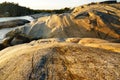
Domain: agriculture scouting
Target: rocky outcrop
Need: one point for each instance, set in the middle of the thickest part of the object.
(49, 59)
(96, 21)
(66, 55)
(102, 19)
(91, 21)
(13, 23)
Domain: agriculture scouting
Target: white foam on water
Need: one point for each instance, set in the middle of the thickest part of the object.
(29, 18)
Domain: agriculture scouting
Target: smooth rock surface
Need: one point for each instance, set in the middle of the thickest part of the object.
(102, 44)
(48, 60)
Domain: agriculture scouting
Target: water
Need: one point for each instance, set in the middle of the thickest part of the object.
(4, 31)
(14, 18)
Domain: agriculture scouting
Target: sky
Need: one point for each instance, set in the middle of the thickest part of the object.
(50, 4)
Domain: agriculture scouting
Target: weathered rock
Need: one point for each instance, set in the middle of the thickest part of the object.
(5, 43)
(73, 40)
(93, 21)
(63, 58)
(103, 19)
(13, 23)
(102, 44)
(59, 60)
(19, 39)
(36, 16)
(92, 40)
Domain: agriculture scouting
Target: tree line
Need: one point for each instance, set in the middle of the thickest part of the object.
(8, 9)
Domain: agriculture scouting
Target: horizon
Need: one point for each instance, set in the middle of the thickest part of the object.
(50, 5)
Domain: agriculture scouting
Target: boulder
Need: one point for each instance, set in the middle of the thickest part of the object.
(59, 60)
(93, 21)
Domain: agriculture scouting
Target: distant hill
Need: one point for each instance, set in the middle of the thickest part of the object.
(12, 9)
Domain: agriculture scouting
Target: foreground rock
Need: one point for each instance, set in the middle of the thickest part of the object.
(50, 59)
(13, 23)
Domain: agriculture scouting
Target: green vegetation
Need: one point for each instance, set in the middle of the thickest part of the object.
(12, 9)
